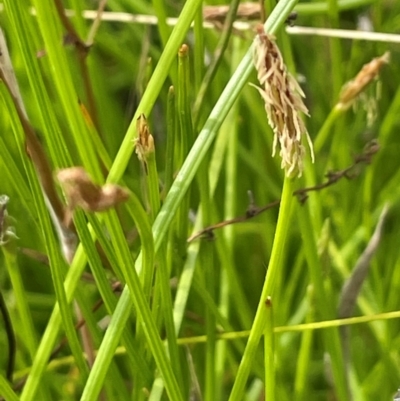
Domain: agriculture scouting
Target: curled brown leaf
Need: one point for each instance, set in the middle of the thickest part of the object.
(82, 192)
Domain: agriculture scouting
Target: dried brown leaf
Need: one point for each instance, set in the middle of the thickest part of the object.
(82, 192)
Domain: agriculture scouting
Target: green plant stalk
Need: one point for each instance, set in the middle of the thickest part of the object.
(152, 184)
(161, 14)
(185, 283)
(55, 140)
(15, 176)
(92, 388)
(163, 287)
(152, 190)
(186, 140)
(166, 311)
(51, 243)
(275, 263)
(79, 21)
(326, 310)
(324, 132)
(29, 334)
(6, 391)
(227, 262)
(136, 360)
(53, 326)
(198, 49)
(171, 139)
(9, 334)
(207, 265)
(304, 358)
(335, 49)
(51, 33)
(161, 310)
(385, 132)
(218, 57)
(57, 266)
(116, 383)
(269, 352)
(149, 328)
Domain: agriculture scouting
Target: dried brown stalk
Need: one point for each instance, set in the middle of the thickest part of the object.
(302, 194)
(246, 11)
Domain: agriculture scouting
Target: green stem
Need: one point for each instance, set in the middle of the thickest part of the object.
(171, 139)
(269, 353)
(274, 266)
(301, 384)
(326, 308)
(29, 334)
(6, 391)
(326, 129)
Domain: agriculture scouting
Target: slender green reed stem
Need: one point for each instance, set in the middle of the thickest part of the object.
(29, 333)
(327, 310)
(269, 352)
(326, 130)
(198, 49)
(185, 141)
(303, 360)
(218, 57)
(275, 264)
(6, 391)
(138, 363)
(161, 14)
(171, 140)
(11, 339)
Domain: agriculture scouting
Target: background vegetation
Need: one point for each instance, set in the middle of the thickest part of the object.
(181, 325)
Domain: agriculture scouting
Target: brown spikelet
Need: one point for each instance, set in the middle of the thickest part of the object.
(283, 103)
(367, 74)
(144, 141)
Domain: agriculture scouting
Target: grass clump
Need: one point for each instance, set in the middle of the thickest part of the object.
(149, 240)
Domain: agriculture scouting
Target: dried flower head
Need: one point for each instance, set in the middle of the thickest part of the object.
(82, 192)
(283, 102)
(368, 73)
(144, 141)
